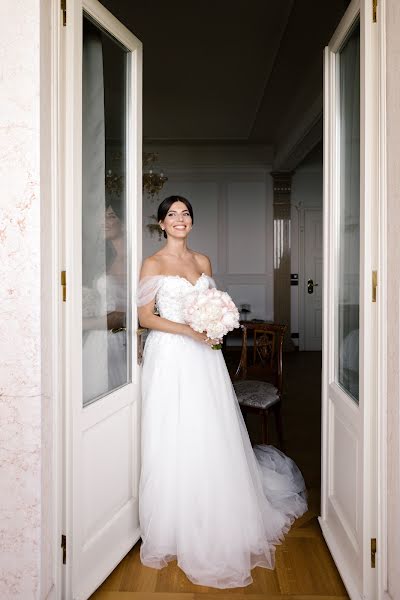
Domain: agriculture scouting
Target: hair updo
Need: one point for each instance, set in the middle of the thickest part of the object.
(166, 205)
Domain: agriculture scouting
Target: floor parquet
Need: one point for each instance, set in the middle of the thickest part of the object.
(304, 567)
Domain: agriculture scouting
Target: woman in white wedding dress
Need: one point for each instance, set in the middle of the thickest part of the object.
(206, 497)
(104, 311)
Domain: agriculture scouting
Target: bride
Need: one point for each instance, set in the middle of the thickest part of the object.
(206, 498)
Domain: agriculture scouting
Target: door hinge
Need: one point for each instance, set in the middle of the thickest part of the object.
(64, 285)
(374, 10)
(63, 6)
(64, 548)
(373, 552)
(374, 284)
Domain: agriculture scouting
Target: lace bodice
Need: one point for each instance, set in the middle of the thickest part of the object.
(172, 292)
(169, 292)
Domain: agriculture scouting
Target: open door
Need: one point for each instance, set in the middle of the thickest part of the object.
(348, 519)
(311, 281)
(101, 90)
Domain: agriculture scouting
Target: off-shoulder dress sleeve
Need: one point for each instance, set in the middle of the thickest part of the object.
(148, 288)
(211, 281)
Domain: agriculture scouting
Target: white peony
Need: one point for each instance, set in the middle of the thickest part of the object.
(212, 311)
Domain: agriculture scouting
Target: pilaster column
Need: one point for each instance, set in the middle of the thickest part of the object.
(282, 187)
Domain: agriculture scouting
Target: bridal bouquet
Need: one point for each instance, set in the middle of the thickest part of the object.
(211, 311)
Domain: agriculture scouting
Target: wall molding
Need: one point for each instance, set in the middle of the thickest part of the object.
(305, 136)
(206, 156)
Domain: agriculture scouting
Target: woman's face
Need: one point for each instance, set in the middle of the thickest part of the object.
(177, 222)
(113, 225)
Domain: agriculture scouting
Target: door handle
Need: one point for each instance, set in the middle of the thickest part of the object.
(310, 286)
(139, 344)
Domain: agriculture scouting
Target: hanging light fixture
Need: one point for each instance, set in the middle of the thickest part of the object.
(153, 181)
(114, 183)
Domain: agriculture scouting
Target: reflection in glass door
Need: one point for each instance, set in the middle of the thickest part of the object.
(348, 255)
(105, 240)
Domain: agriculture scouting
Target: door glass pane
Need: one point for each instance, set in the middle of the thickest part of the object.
(348, 273)
(105, 283)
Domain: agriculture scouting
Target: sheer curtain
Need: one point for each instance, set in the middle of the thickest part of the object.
(95, 368)
(349, 222)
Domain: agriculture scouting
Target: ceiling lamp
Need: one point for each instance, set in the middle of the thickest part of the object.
(153, 182)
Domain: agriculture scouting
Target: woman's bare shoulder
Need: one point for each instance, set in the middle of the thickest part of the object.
(204, 262)
(150, 266)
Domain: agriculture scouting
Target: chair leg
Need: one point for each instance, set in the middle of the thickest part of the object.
(278, 422)
(265, 427)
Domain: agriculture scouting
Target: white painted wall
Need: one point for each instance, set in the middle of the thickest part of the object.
(231, 193)
(306, 193)
(26, 402)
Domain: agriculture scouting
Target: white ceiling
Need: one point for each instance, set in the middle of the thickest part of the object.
(228, 70)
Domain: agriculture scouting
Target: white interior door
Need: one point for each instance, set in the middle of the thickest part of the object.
(348, 517)
(102, 135)
(312, 280)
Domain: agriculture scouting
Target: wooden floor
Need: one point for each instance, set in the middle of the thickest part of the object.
(304, 567)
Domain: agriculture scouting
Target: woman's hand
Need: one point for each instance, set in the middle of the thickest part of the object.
(116, 319)
(201, 337)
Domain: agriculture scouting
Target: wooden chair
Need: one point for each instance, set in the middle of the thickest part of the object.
(258, 378)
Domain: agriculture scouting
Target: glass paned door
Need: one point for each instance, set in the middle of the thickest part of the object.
(349, 373)
(101, 87)
(105, 264)
(348, 265)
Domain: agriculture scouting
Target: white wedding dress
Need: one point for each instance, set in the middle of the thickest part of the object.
(206, 498)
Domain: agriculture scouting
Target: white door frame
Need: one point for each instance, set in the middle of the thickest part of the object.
(57, 315)
(382, 445)
(55, 354)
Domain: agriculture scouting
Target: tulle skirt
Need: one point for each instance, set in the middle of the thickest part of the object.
(207, 499)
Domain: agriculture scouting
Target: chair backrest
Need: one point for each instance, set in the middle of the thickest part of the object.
(261, 355)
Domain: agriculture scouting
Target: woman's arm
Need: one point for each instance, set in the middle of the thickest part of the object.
(148, 319)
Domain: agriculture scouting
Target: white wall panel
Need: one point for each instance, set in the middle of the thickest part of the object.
(247, 235)
(253, 294)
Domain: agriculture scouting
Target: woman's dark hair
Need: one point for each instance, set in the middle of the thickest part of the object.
(119, 210)
(166, 205)
(118, 207)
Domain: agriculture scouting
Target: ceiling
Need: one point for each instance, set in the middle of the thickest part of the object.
(237, 71)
